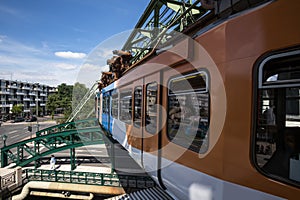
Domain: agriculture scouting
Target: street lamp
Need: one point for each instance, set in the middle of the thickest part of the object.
(4, 137)
(37, 107)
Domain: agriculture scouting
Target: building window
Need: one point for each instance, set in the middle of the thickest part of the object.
(277, 118)
(137, 106)
(188, 108)
(151, 108)
(126, 106)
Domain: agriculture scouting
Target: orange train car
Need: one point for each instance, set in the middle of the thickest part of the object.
(217, 113)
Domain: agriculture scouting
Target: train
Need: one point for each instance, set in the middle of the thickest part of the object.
(216, 114)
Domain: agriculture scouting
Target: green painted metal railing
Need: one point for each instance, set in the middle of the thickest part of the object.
(53, 139)
(93, 122)
(89, 178)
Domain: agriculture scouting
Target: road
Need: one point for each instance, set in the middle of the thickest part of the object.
(93, 156)
(17, 132)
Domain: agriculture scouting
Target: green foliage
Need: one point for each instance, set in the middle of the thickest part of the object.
(69, 97)
(17, 109)
(52, 103)
(79, 91)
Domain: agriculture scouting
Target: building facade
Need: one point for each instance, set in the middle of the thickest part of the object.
(32, 97)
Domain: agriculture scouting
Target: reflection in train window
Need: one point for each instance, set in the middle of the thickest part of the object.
(114, 105)
(277, 141)
(151, 108)
(126, 106)
(105, 106)
(188, 108)
(137, 118)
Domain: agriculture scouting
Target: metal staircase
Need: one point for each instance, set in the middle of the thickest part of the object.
(53, 139)
(84, 100)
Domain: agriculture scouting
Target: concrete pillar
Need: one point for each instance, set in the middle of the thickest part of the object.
(18, 172)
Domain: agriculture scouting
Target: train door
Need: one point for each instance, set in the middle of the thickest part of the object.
(99, 107)
(136, 134)
(151, 122)
(185, 134)
(106, 111)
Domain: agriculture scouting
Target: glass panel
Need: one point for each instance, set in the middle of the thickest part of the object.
(114, 106)
(192, 83)
(137, 106)
(126, 106)
(105, 104)
(277, 140)
(151, 108)
(188, 118)
(280, 71)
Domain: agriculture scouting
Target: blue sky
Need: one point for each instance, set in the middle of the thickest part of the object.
(49, 41)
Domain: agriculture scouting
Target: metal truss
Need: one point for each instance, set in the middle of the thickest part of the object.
(159, 23)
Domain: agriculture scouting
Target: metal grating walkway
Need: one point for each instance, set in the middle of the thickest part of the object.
(155, 193)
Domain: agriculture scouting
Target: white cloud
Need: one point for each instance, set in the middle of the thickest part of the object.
(65, 66)
(69, 54)
(28, 63)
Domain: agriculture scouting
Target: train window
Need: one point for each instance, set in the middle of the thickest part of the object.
(137, 106)
(188, 108)
(126, 106)
(277, 122)
(105, 106)
(151, 108)
(114, 105)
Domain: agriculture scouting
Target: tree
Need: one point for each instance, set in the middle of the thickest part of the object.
(52, 103)
(79, 91)
(65, 91)
(17, 109)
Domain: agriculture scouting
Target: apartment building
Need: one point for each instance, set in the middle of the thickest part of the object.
(33, 97)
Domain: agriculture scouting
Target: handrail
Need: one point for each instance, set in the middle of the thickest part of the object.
(89, 178)
(83, 101)
(83, 132)
(65, 126)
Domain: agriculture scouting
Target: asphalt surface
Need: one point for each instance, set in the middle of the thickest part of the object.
(17, 132)
(93, 156)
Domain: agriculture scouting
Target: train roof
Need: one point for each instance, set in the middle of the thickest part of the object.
(110, 87)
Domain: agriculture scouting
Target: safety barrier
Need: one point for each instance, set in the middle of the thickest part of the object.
(53, 139)
(89, 178)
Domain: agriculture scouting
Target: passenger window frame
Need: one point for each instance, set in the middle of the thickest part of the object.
(148, 118)
(121, 110)
(115, 94)
(136, 123)
(200, 93)
(264, 86)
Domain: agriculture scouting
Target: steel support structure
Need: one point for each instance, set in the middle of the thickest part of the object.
(53, 139)
(159, 22)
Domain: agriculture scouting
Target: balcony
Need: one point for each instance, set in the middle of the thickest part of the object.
(26, 88)
(20, 93)
(26, 99)
(43, 94)
(32, 104)
(37, 89)
(13, 86)
(26, 110)
(42, 104)
(32, 94)
(4, 92)
(13, 99)
(5, 105)
(53, 90)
